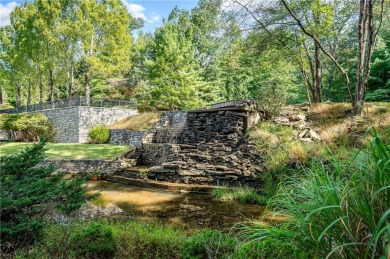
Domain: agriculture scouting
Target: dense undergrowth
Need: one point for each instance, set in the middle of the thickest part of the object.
(340, 208)
(126, 238)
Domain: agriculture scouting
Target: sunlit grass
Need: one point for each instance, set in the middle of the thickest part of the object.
(70, 150)
(242, 194)
(137, 122)
(336, 125)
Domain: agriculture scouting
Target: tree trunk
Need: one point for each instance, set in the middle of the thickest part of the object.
(40, 90)
(321, 47)
(317, 75)
(51, 86)
(306, 81)
(1, 94)
(87, 88)
(29, 95)
(70, 82)
(366, 38)
(19, 98)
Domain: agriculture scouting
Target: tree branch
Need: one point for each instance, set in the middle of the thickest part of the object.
(320, 45)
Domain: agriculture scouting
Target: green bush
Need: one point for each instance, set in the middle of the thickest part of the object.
(99, 134)
(28, 192)
(269, 248)
(94, 241)
(210, 244)
(337, 209)
(26, 127)
(131, 240)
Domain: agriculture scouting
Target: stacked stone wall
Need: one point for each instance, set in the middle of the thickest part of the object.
(72, 124)
(124, 137)
(84, 166)
(225, 127)
(172, 119)
(65, 123)
(210, 148)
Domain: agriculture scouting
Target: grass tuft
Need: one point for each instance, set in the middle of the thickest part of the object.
(242, 194)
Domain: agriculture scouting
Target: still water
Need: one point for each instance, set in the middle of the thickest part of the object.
(187, 210)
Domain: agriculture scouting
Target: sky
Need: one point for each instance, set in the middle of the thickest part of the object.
(151, 11)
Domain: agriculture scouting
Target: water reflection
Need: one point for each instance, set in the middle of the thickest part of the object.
(185, 210)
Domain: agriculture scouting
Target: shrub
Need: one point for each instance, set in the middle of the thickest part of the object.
(99, 134)
(270, 248)
(340, 209)
(210, 244)
(26, 127)
(97, 242)
(131, 240)
(28, 192)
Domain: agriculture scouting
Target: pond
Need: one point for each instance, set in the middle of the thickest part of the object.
(186, 210)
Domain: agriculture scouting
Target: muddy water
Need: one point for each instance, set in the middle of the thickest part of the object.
(185, 210)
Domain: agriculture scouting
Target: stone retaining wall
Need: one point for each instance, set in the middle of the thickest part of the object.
(172, 119)
(84, 166)
(65, 123)
(124, 137)
(72, 124)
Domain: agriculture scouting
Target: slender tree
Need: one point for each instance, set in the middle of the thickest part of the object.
(368, 29)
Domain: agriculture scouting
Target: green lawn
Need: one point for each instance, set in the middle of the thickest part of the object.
(70, 150)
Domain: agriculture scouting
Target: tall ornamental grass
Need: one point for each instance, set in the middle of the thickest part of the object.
(338, 209)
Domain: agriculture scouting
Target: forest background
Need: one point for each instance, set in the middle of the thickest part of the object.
(278, 52)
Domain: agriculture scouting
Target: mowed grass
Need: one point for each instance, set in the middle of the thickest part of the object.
(70, 150)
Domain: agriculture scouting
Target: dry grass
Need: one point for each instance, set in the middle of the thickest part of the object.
(138, 122)
(298, 153)
(336, 124)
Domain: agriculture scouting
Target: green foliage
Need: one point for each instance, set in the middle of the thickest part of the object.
(94, 241)
(379, 81)
(99, 134)
(282, 154)
(26, 127)
(209, 244)
(64, 43)
(29, 192)
(270, 248)
(100, 88)
(339, 209)
(242, 194)
(171, 70)
(131, 239)
(140, 240)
